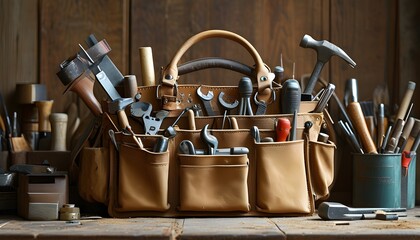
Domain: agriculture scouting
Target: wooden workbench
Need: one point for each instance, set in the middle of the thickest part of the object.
(213, 228)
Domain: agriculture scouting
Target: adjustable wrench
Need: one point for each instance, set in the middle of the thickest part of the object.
(206, 99)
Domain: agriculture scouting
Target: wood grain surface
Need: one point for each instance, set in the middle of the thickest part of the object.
(272, 27)
(66, 23)
(19, 47)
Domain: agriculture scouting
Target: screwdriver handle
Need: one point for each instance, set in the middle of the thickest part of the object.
(356, 115)
(282, 129)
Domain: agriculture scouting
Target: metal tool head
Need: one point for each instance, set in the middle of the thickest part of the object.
(119, 104)
(325, 49)
(209, 96)
(138, 109)
(210, 140)
(186, 147)
(170, 132)
(335, 211)
(255, 133)
(226, 105)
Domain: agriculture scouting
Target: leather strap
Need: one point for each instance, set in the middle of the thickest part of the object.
(71, 69)
(264, 77)
(215, 62)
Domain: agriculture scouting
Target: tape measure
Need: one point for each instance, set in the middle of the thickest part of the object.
(69, 212)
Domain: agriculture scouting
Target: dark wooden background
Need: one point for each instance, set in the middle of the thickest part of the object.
(381, 36)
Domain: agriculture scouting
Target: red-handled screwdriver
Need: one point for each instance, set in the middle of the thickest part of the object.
(282, 129)
(405, 161)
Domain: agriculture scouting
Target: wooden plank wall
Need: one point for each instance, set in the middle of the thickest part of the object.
(272, 27)
(380, 35)
(19, 46)
(66, 23)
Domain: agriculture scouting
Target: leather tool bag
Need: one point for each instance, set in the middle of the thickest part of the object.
(273, 179)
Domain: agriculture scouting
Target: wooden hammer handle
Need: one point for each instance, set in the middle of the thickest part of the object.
(356, 115)
(146, 66)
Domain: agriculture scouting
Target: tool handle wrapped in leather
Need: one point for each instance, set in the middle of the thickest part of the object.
(216, 62)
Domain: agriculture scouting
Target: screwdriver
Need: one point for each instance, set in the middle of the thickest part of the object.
(291, 95)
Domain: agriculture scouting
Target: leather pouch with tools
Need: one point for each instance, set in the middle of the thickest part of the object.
(215, 164)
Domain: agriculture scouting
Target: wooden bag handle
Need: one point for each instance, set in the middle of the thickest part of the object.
(263, 75)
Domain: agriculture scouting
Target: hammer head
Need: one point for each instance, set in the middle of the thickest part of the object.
(119, 104)
(334, 211)
(325, 50)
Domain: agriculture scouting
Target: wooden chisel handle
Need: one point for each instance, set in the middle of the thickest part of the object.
(146, 66)
(402, 109)
(356, 115)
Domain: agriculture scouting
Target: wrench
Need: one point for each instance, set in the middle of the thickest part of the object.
(227, 106)
(206, 99)
(143, 110)
(210, 140)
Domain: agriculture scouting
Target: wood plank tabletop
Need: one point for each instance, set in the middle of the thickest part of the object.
(311, 227)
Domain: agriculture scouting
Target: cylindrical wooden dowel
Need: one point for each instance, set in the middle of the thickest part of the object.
(130, 86)
(44, 111)
(58, 131)
(146, 66)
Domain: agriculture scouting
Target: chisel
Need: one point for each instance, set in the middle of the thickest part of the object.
(356, 115)
(414, 132)
(402, 110)
(405, 134)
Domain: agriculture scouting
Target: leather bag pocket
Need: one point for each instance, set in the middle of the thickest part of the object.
(281, 178)
(142, 179)
(321, 165)
(213, 183)
(94, 174)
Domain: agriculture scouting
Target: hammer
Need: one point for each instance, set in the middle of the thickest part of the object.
(338, 211)
(325, 50)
